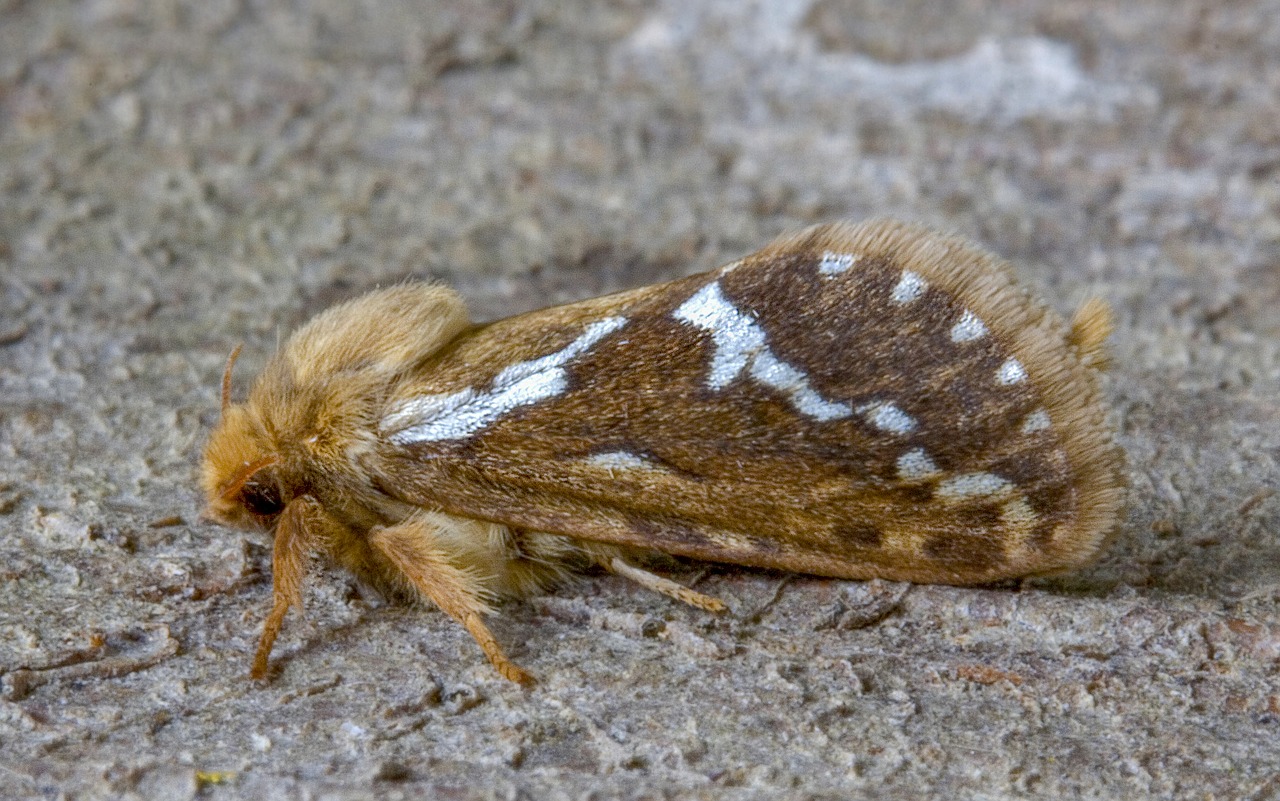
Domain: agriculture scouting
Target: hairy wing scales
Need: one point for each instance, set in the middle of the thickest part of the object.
(734, 467)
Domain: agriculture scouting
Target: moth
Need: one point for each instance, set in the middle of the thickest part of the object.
(852, 401)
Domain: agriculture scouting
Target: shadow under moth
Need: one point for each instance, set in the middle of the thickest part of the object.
(853, 401)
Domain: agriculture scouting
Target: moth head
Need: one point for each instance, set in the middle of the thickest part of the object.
(315, 403)
(241, 473)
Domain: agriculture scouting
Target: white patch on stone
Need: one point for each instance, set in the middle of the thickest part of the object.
(968, 329)
(973, 485)
(888, 417)
(741, 344)
(1036, 421)
(1011, 372)
(454, 415)
(909, 287)
(835, 263)
(915, 465)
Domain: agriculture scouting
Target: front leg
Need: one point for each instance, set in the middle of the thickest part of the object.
(417, 552)
(297, 533)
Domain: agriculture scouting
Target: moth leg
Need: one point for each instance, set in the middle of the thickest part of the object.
(665, 586)
(294, 540)
(416, 554)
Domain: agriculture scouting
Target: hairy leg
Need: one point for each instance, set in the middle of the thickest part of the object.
(665, 586)
(295, 538)
(415, 551)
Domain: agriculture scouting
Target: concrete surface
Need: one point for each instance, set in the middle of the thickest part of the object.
(177, 178)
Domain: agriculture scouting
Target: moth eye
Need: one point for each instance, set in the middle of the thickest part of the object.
(262, 500)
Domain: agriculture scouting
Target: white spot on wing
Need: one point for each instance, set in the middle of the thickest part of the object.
(836, 263)
(915, 464)
(909, 287)
(1011, 372)
(1036, 421)
(621, 460)
(1018, 514)
(454, 415)
(737, 337)
(769, 370)
(973, 485)
(740, 343)
(888, 417)
(968, 329)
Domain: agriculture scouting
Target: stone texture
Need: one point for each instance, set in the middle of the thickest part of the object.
(177, 178)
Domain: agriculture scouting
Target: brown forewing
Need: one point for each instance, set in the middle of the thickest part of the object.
(739, 473)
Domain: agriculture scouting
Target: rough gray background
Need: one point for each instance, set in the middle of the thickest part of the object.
(177, 178)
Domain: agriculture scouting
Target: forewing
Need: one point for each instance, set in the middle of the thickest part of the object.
(857, 402)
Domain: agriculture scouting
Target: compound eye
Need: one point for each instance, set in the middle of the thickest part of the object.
(261, 499)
